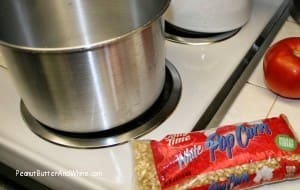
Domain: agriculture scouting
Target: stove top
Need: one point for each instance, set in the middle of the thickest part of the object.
(205, 71)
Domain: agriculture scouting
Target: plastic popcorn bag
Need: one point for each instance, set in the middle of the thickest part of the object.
(239, 156)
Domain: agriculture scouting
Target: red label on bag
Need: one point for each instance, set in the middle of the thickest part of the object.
(181, 157)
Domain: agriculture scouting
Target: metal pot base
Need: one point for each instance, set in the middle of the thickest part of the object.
(148, 121)
(183, 36)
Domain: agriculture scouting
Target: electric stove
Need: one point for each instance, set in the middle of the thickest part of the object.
(208, 73)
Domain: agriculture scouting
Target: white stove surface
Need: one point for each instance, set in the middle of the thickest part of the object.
(203, 70)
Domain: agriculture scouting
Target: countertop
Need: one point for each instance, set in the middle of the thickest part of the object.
(255, 101)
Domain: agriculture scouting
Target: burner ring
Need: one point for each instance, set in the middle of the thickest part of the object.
(180, 35)
(148, 121)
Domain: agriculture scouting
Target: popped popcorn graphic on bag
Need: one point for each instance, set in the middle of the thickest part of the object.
(290, 171)
(264, 174)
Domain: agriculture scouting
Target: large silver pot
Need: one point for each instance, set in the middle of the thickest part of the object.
(209, 16)
(85, 65)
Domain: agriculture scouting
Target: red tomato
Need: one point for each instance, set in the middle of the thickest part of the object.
(282, 67)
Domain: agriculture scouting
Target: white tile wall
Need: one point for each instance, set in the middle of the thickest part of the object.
(253, 103)
(2, 61)
(257, 77)
(255, 97)
(291, 108)
(256, 101)
(290, 19)
(289, 29)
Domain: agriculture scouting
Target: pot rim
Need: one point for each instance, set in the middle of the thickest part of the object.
(91, 46)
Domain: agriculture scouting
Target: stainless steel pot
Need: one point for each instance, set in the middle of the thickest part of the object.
(85, 65)
(209, 16)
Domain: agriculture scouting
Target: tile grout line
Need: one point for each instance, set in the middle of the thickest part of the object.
(257, 85)
(272, 106)
(3, 67)
(291, 20)
(273, 103)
